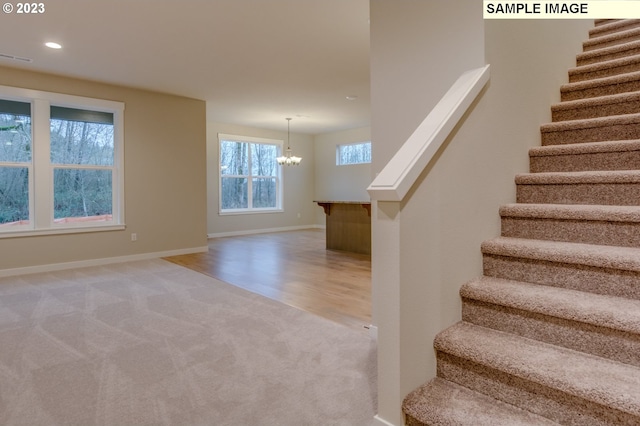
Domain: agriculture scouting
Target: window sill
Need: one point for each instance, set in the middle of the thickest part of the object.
(59, 231)
(243, 212)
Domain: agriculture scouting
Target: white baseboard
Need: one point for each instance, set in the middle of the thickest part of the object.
(378, 421)
(262, 231)
(373, 331)
(98, 262)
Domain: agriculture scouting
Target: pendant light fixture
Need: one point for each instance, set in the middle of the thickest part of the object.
(287, 159)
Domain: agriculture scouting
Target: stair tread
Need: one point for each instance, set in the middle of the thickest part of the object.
(596, 101)
(443, 402)
(607, 50)
(589, 377)
(572, 212)
(611, 37)
(615, 257)
(603, 65)
(584, 177)
(586, 148)
(611, 26)
(602, 81)
(613, 312)
(588, 123)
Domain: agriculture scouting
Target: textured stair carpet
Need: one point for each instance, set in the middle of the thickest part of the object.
(153, 343)
(550, 334)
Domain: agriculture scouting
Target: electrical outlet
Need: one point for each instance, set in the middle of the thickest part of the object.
(298, 215)
(134, 236)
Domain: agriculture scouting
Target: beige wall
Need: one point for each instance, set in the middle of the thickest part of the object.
(418, 49)
(298, 185)
(165, 177)
(340, 183)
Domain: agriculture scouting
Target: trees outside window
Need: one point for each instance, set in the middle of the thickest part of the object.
(250, 179)
(15, 162)
(355, 153)
(61, 163)
(82, 154)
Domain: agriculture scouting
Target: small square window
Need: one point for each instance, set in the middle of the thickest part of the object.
(354, 153)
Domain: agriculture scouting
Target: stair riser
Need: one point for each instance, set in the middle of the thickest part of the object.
(613, 282)
(410, 421)
(572, 94)
(599, 161)
(596, 194)
(600, 341)
(594, 45)
(594, 59)
(624, 234)
(542, 400)
(595, 111)
(575, 77)
(592, 134)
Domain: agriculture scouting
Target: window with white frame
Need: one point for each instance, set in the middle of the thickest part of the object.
(353, 153)
(61, 163)
(15, 163)
(250, 178)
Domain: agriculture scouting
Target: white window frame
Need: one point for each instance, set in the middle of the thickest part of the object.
(41, 211)
(339, 156)
(279, 179)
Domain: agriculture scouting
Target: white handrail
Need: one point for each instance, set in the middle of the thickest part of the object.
(404, 168)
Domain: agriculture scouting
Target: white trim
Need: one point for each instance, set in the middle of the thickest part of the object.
(235, 212)
(262, 231)
(79, 229)
(373, 331)
(378, 421)
(404, 168)
(97, 262)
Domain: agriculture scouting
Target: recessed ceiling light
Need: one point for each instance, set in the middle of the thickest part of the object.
(53, 45)
(352, 98)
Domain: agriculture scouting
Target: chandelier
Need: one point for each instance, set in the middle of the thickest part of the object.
(287, 159)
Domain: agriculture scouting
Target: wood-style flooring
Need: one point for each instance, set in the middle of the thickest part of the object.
(295, 268)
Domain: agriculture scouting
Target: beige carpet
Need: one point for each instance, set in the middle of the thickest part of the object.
(153, 343)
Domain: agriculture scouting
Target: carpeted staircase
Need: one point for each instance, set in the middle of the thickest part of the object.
(550, 334)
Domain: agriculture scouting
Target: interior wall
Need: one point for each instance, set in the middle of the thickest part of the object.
(299, 208)
(339, 183)
(417, 50)
(165, 177)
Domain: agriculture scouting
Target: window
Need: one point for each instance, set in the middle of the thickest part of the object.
(82, 154)
(354, 153)
(15, 162)
(250, 179)
(60, 163)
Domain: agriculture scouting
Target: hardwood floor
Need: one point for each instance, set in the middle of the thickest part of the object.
(294, 268)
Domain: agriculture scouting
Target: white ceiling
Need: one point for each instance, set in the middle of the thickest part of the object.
(255, 62)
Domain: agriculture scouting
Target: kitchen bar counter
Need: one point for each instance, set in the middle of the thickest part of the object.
(348, 225)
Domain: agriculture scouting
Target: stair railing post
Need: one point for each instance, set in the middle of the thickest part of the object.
(385, 263)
